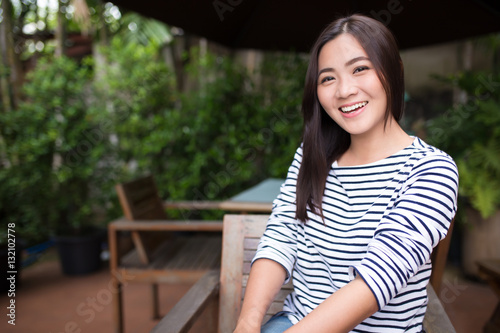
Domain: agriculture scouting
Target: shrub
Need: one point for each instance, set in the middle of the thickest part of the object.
(470, 133)
(54, 172)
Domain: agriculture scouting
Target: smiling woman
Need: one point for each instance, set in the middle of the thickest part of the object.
(363, 54)
(363, 205)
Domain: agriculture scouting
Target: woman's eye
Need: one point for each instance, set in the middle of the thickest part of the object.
(360, 69)
(326, 79)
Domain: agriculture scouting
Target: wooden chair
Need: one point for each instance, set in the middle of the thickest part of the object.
(159, 250)
(226, 287)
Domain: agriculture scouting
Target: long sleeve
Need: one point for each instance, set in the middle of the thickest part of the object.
(279, 242)
(406, 235)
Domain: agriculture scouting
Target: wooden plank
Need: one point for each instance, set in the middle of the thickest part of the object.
(123, 201)
(247, 207)
(438, 258)
(150, 209)
(141, 249)
(255, 225)
(231, 272)
(251, 243)
(117, 316)
(192, 205)
(157, 225)
(140, 200)
(166, 251)
(184, 253)
(237, 230)
(159, 276)
(182, 316)
(195, 253)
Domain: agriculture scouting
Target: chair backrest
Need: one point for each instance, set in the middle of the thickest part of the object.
(140, 200)
(240, 239)
(438, 258)
(241, 236)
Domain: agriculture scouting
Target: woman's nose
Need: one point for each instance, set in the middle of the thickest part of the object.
(345, 88)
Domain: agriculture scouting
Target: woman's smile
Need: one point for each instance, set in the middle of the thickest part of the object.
(348, 109)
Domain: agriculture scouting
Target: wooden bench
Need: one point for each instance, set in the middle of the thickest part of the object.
(225, 288)
(489, 270)
(162, 250)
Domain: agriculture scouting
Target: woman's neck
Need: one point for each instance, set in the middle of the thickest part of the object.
(369, 148)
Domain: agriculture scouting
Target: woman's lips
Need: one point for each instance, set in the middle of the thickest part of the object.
(350, 111)
(352, 107)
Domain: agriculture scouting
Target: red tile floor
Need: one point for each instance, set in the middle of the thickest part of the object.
(49, 302)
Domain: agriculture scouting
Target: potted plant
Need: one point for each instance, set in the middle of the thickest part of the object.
(470, 133)
(56, 160)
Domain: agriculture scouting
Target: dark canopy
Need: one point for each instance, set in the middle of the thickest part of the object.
(295, 24)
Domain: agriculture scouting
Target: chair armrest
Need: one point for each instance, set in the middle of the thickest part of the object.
(165, 225)
(436, 320)
(185, 312)
(247, 207)
(192, 205)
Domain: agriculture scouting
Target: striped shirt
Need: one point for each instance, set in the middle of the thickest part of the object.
(382, 221)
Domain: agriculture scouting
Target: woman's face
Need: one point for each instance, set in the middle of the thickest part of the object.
(348, 87)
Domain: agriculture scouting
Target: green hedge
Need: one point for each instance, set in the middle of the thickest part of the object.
(84, 127)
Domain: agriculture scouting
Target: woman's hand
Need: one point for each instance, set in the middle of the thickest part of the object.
(340, 312)
(265, 280)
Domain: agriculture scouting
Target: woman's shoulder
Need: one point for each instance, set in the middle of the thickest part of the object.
(430, 156)
(424, 150)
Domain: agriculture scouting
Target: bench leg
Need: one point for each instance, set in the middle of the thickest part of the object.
(118, 307)
(155, 300)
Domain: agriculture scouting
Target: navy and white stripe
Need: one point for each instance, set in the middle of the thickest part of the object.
(382, 221)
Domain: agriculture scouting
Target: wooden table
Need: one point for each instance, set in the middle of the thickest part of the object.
(257, 199)
(489, 270)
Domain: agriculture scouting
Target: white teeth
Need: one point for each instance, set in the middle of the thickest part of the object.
(353, 107)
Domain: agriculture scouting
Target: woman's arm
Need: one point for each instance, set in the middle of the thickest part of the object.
(340, 312)
(265, 280)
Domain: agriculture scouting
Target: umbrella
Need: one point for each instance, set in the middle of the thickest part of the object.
(294, 25)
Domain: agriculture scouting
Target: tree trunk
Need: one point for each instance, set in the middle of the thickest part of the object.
(11, 74)
(60, 31)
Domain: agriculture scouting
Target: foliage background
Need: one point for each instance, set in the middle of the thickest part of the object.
(470, 132)
(84, 126)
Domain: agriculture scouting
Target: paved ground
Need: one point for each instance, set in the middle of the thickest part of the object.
(49, 302)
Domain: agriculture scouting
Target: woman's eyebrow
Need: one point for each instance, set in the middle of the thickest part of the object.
(354, 60)
(328, 69)
(349, 63)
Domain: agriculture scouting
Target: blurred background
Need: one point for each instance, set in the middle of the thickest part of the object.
(94, 94)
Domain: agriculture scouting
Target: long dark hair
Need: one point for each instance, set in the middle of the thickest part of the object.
(323, 140)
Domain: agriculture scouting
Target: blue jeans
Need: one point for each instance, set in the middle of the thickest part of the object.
(277, 324)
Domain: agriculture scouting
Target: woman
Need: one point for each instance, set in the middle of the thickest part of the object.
(363, 204)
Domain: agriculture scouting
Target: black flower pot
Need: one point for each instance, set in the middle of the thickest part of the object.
(80, 254)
